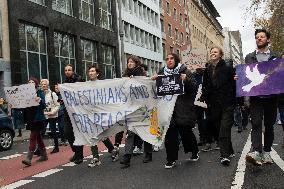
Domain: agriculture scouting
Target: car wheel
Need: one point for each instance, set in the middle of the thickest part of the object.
(6, 139)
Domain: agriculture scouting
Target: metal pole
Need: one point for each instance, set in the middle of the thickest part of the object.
(121, 36)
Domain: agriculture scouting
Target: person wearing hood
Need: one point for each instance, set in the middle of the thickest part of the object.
(34, 119)
(134, 69)
(72, 77)
(219, 92)
(184, 117)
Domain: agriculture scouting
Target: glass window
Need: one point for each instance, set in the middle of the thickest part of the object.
(170, 30)
(87, 11)
(162, 26)
(175, 14)
(168, 8)
(64, 53)
(64, 6)
(89, 55)
(105, 14)
(33, 52)
(108, 62)
(41, 2)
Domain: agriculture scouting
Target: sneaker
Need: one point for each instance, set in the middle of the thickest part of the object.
(232, 155)
(94, 162)
(266, 158)
(156, 149)
(115, 154)
(170, 165)
(207, 148)
(254, 158)
(194, 157)
(137, 151)
(225, 161)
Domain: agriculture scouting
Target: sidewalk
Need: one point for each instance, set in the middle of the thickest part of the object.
(25, 136)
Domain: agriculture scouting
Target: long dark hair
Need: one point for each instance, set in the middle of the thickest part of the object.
(176, 58)
(133, 71)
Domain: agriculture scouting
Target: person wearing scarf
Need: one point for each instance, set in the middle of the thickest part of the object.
(183, 118)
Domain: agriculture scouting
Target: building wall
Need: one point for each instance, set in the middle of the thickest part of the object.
(175, 29)
(206, 31)
(5, 70)
(142, 32)
(44, 16)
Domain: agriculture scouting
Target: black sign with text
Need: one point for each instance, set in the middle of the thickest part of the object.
(169, 85)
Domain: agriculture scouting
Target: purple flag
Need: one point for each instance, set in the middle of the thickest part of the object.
(262, 78)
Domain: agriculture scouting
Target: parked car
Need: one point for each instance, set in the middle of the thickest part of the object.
(7, 132)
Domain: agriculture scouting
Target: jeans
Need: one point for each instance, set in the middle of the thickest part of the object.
(238, 117)
(52, 126)
(60, 121)
(263, 109)
(36, 138)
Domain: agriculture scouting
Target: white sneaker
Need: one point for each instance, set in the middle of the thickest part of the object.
(94, 162)
(266, 158)
(156, 149)
(254, 158)
(137, 151)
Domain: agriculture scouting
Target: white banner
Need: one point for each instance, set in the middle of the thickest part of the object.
(99, 109)
(21, 96)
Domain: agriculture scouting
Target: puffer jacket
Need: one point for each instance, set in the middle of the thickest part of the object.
(184, 113)
(52, 105)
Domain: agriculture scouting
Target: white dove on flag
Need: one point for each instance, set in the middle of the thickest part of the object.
(254, 76)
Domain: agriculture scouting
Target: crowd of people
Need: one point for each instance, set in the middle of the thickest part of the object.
(214, 123)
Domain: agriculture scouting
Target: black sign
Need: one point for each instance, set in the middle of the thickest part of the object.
(169, 85)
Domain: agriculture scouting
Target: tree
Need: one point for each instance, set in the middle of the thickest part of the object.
(271, 19)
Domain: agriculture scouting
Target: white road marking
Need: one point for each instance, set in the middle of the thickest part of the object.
(277, 159)
(11, 156)
(104, 151)
(241, 168)
(121, 145)
(70, 164)
(47, 173)
(49, 147)
(17, 184)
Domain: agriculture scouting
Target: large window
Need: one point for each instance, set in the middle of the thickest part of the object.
(105, 14)
(64, 53)
(64, 6)
(33, 52)
(87, 11)
(108, 61)
(89, 55)
(41, 2)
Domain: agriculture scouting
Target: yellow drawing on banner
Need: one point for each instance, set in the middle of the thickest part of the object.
(154, 128)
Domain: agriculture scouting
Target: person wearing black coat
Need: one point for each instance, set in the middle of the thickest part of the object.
(219, 92)
(72, 77)
(184, 117)
(134, 69)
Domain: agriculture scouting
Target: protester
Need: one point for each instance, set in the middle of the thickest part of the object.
(134, 69)
(72, 77)
(18, 120)
(219, 93)
(60, 118)
(94, 75)
(183, 118)
(51, 111)
(261, 107)
(3, 105)
(281, 107)
(34, 118)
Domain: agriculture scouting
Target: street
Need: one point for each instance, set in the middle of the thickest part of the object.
(207, 173)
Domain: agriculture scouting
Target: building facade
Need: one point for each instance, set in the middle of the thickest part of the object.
(233, 47)
(5, 70)
(175, 26)
(46, 35)
(206, 31)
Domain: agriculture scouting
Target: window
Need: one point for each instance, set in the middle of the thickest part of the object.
(170, 30)
(126, 31)
(64, 53)
(168, 8)
(180, 18)
(108, 61)
(33, 52)
(64, 6)
(41, 2)
(171, 49)
(175, 14)
(89, 55)
(162, 25)
(176, 34)
(181, 37)
(105, 14)
(164, 51)
(87, 11)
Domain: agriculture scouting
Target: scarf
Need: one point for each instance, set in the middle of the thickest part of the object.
(168, 71)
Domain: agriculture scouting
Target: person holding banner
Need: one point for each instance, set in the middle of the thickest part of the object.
(51, 111)
(34, 118)
(72, 77)
(94, 74)
(261, 107)
(134, 69)
(184, 117)
(219, 93)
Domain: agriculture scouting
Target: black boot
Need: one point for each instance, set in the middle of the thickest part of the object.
(125, 161)
(28, 160)
(37, 152)
(147, 158)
